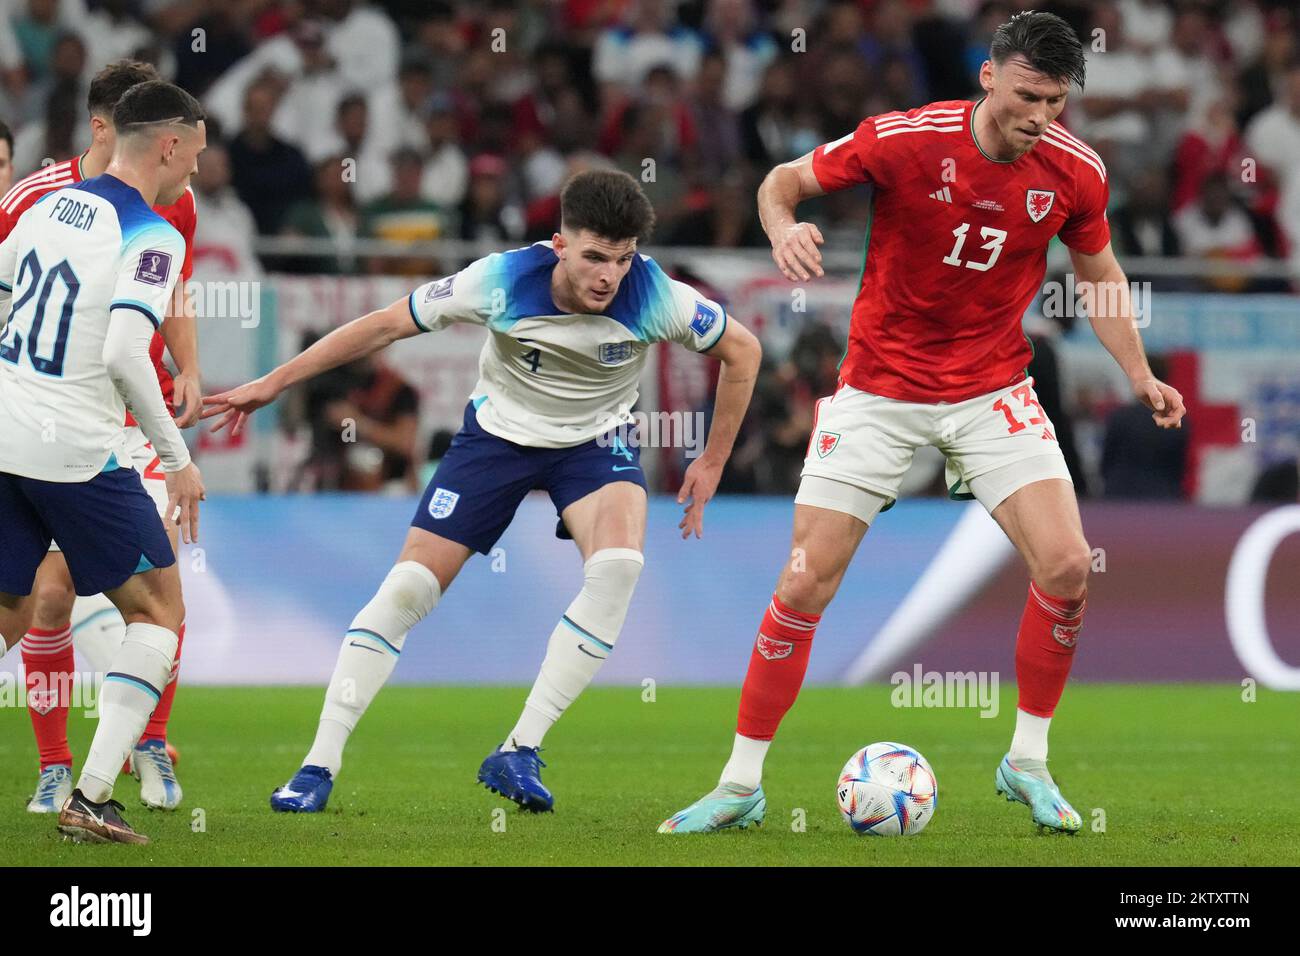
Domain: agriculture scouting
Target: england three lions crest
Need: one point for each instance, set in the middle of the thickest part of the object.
(442, 503)
(1038, 202)
(615, 353)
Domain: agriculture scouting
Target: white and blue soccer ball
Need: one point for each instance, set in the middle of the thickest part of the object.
(887, 789)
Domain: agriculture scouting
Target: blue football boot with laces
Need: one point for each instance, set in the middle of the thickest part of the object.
(1028, 782)
(307, 792)
(52, 789)
(516, 775)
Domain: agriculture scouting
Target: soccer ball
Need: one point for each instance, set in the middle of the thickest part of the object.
(887, 789)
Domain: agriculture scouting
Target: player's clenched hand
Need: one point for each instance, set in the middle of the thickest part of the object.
(184, 492)
(187, 398)
(1165, 402)
(794, 249)
(699, 485)
(237, 404)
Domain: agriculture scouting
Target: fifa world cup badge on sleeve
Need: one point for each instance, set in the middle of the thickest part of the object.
(440, 289)
(704, 319)
(443, 502)
(154, 267)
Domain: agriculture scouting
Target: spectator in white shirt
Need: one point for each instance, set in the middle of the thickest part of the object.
(1185, 77)
(1214, 225)
(446, 172)
(363, 41)
(624, 55)
(1273, 136)
(226, 233)
(1111, 112)
(1147, 23)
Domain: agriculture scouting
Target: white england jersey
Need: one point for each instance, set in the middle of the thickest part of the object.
(552, 379)
(76, 258)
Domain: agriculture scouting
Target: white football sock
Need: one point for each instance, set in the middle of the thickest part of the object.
(130, 693)
(368, 655)
(97, 631)
(580, 643)
(1030, 739)
(746, 764)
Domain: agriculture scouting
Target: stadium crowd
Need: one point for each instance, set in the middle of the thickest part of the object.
(413, 120)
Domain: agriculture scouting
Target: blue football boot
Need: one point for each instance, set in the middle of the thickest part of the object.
(52, 789)
(1028, 782)
(307, 792)
(516, 775)
(152, 766)
(729, 805)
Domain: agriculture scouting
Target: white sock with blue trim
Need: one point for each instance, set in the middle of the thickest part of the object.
(580, 643)
(368, 655)
(130, 692)
(97, 631)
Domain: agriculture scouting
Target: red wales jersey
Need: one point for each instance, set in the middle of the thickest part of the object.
(956, 247)
(183, 214)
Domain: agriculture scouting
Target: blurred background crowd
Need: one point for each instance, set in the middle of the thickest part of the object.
(419, 120)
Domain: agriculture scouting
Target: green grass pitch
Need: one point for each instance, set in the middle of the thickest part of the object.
(1163, 775)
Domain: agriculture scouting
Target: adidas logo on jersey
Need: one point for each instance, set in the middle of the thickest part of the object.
(943, 195)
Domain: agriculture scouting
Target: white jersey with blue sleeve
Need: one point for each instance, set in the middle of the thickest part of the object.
(81, 261)
(553, 379)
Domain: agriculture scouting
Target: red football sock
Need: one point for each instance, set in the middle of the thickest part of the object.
(776, 669)
(49, 662)
(157, 726)
(1049, 630)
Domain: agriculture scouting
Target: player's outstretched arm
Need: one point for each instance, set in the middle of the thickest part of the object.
(794, 243)
(740, 354)
(1107, 298)
(359, 338)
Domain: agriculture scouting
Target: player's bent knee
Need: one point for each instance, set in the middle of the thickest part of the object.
(806, 591)
(1066, 575)
(609, 579)
(52, 600)
(406, 596)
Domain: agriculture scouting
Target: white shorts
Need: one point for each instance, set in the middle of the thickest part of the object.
(149, 467)
(862, 445)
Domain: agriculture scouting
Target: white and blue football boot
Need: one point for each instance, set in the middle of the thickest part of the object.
(516, 775)
(52, 789)
(307, 792)
(151, 764)
(1028, 782)
(730, 805)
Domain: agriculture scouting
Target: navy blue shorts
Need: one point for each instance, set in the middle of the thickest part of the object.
(480, 482)
(108, 529)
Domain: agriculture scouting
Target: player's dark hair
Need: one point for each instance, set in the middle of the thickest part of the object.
(607, 202)
(1049, 44)
(112, 81)
(7, 135)
(156, 101)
